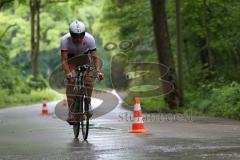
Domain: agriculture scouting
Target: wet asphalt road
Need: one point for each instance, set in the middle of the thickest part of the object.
(26, 134)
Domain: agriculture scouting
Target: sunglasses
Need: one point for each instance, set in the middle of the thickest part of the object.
(77, 35)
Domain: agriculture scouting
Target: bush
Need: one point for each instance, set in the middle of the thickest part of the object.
(39, 83)
(12, 80)
(221, 101)
(30, 98)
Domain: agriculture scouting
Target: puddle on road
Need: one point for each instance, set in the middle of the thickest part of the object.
(92, 126)
(180, 148)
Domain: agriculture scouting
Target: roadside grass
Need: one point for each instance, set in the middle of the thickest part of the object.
(149, 105)
(25, 99)
(157, 105)
(217, 101)
(154, 105)
(222, 101)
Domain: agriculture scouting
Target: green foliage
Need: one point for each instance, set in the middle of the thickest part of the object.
(15, 56)
(11, 81)
(151, 105)
(128, 20)
(29, 98)
(217, 21)
(37, 84)
(143, 88)
(155, 105)
(217, 99)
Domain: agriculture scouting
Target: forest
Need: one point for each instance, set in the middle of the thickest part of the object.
(193, 47)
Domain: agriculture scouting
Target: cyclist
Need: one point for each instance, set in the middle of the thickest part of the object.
(77, 48)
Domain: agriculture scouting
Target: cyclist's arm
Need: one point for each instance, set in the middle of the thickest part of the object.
(96, 60)
(94, 54)
(64, 58)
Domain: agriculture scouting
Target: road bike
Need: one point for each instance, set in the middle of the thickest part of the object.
(79, 109)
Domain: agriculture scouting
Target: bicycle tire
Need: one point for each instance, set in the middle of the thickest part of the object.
(76, 129)
(85, 127)
(85, 122)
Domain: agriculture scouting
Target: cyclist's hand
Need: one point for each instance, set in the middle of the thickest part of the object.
(71, 75)
(100, 75)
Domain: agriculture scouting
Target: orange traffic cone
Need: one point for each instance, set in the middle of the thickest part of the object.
(138, 124)
(44, 107)
(64, 103)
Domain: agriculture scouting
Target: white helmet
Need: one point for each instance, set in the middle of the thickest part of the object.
(77, 29)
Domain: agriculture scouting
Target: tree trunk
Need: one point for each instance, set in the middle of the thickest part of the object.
(179, 53)
(187, 58)
(164, 52)
(32, 12)
(35, 34)
(205, 53)
(235, 57)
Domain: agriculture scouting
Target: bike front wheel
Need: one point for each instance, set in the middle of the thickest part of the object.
(85, 127)
(76, 129)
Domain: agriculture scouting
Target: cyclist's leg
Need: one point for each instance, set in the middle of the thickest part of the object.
(70, 96)
(89, 88)
(70, 93)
